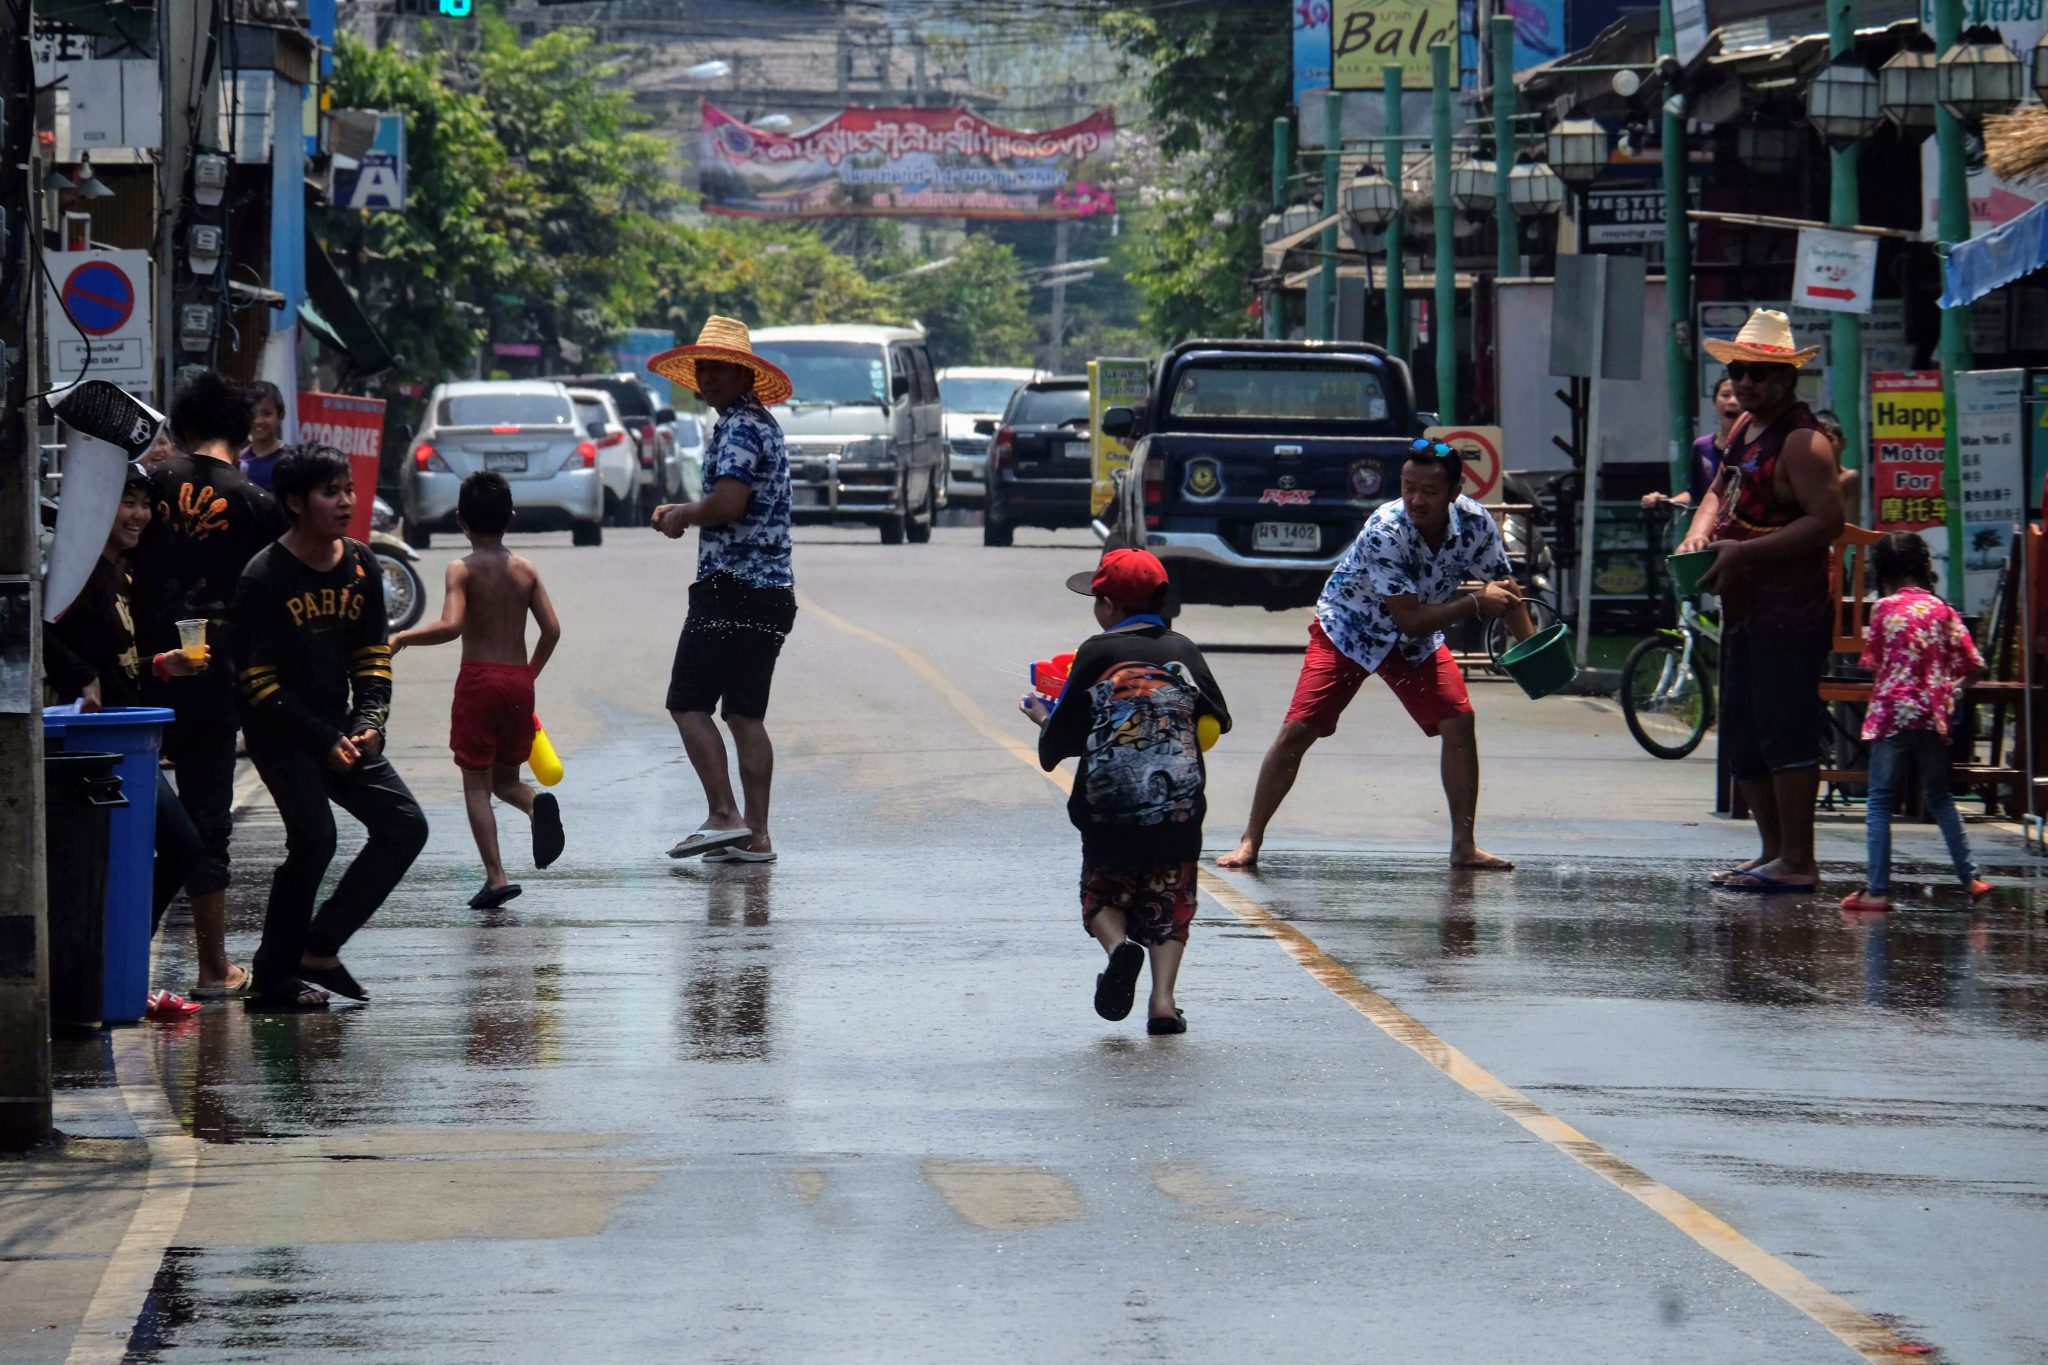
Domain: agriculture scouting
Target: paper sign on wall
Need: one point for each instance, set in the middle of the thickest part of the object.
(1836, 271)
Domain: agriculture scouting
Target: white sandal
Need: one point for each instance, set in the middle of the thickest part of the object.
(707, 839)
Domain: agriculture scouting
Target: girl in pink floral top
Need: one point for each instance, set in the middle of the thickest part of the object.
(1920, 656)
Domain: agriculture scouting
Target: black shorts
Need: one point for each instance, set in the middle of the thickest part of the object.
(728, 648)
(1770, 696)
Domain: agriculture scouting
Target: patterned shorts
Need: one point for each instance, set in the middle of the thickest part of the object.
(1158, 902)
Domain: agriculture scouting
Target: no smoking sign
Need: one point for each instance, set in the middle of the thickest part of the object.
(1480, 447)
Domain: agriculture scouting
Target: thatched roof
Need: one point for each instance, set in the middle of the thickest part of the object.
(2016, 144)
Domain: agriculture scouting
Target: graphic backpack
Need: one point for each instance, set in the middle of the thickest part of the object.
(1144, 765)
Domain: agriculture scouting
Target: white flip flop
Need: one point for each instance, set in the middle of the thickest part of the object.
(739, 855)
(707, 839)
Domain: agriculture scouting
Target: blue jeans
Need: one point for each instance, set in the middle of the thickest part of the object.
(1931, 751)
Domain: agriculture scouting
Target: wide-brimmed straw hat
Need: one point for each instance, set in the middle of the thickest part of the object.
(724, 339)
(1765, 339)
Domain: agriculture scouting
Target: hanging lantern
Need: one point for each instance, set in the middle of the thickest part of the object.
(1534, 189)
(1766, 149)
(1371, 199)
(1979, 77)
(1905, 91)
(1298, 218)
(1472, 186)
(1271, 229)
(1842, 102)
(2040, 69)
(1577, 150)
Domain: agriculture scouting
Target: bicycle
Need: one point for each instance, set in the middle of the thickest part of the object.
(1667, 696)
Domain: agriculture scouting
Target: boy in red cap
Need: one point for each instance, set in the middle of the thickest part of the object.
(1128, 713)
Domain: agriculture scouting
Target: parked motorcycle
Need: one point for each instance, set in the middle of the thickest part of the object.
(405, 592)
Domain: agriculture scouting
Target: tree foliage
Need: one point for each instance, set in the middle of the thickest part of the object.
(1214, 78)
(976, 308)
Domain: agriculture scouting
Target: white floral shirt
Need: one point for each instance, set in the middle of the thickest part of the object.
(1391, 559)
(747, 445)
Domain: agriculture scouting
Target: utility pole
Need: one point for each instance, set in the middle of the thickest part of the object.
(182, 62)
(1281, 147)
(1953, 225)
(1056, 353)
(24, 920)
(1678, 372)
(1507, 257)
(1845, 209)
(1333, 148)
(1397, 280)
(1445, 331)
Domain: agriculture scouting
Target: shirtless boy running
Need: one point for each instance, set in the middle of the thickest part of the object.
(489, 593)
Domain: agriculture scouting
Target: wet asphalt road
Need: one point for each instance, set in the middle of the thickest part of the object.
(856, 1106)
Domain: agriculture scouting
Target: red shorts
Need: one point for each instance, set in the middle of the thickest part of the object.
(491, 722)
(1433, 691)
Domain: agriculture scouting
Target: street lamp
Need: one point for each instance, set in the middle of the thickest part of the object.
(1534, 190)
(1371, 199)
(1766, 149)
(1842, 102)
(90, 186)
(1979, 77)
(1577, 150)
(1905, 91)
(1472, 186)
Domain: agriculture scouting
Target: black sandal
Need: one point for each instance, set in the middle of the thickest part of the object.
(305, 1000)
(548, 839)
(491, 897)
(1117, 987)
(1161, 1024)
(335, 979)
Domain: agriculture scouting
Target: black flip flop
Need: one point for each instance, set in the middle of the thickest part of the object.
(336, 980)
(1162, 1024)
(491, 897)
(1116, 987)
(548, 839)
(294, 1003)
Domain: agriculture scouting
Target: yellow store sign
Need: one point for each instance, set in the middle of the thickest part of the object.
(1367, 36)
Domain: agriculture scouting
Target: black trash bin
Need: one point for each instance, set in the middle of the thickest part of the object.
(79, 790)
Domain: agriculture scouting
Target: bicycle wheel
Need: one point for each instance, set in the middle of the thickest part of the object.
(1667, 702)
(1498, 640)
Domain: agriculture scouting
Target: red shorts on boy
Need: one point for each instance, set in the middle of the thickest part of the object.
(1158, 902)
(491, 722)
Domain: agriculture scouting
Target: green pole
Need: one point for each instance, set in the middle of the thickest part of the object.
(1445, 330)
(1678, 361)
(1333, 147)
(1397, 268)
(1507, 260)
(1953, 225)
(1845, 209)
(1282, 145)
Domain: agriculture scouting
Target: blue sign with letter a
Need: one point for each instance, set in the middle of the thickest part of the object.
(378, 182)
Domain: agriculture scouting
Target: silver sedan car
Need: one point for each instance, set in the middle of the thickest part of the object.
(525, 429)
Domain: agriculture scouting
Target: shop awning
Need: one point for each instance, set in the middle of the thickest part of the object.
(332, 314)
(2012, 249)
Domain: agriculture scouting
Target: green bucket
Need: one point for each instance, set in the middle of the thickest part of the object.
(1688, 569)
(1542, 664)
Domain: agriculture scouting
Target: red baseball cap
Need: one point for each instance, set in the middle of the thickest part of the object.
(1131, 579)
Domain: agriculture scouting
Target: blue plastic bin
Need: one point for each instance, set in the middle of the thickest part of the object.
(136, 734)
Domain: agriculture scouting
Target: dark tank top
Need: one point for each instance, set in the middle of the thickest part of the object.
(1780, 592)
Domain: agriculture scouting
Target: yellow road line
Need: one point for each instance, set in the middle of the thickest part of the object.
(1855, 1328)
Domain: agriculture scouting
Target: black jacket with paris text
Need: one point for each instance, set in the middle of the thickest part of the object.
(310, 655)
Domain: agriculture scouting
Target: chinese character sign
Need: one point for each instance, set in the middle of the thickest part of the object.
(907, 163)
(1906, 425)
(1994, 503)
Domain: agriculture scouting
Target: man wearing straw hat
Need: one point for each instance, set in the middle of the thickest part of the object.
(744, 600)
(1770, 517)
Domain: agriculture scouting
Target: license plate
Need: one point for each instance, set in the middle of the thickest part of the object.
(806, 497)
(1078, 449)
(1287, 537)
(504, 462)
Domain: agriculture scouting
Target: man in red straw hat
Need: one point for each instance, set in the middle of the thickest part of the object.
(744, 600)
(1770, 517)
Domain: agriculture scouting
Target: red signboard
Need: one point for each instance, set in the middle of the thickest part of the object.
(354, 426)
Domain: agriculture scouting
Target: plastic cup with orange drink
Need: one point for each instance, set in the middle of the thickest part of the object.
(192, 640)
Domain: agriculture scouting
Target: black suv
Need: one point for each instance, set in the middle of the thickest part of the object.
(1040, 470)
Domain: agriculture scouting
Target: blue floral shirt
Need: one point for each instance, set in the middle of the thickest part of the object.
(1391, 559)
(747, 445)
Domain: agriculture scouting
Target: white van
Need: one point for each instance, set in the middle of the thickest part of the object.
(862, 427)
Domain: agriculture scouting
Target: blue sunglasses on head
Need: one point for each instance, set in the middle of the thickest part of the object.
(1435, 449)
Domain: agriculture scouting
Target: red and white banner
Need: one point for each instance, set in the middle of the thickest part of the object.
(355, 426)
(907, 163)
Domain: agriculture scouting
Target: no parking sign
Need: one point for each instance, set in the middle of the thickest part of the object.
(99, 305)
(1481, 448)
